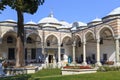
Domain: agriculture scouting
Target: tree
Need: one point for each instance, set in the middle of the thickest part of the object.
(21, 6)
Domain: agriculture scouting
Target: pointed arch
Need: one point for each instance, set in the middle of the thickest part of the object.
(51, 39)
(89, 34)
(104, 27)
(51, 35)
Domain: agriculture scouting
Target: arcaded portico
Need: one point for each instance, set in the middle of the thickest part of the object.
(58, 42)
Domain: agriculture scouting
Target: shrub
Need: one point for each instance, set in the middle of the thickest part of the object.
(108, 68)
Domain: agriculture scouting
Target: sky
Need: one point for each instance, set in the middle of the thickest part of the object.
(67, 10)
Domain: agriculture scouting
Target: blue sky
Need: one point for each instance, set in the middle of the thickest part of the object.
(68, 10)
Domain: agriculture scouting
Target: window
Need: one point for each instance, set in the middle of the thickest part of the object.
(79, 44)
(33, 53)
(104, 57)
(101, 40)
(9, 39)
(62, 56)
(93, 56)
(25, 53)
(11, 53)
(29, 40)
(48, 43)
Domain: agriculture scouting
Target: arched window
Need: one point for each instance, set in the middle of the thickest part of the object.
(29, 40)
(9, 39)
(11, 53)
(48, 43)
(79, 44)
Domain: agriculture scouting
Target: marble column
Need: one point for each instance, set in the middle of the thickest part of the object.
(117, 52)
(84, 54)
(98, 63)
(59, 55)
(74, 44)
(59, 52)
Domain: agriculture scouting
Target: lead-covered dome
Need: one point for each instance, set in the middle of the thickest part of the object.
(115, 11)
(65, 24)
(31, 22)
(78, 24)
(96, 19)
(49, 19)
(10, 20)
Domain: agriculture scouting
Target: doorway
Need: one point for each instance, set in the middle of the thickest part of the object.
(50, 58)
(11, 53)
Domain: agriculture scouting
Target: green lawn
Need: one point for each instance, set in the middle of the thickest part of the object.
(94, 76)
(55, 74)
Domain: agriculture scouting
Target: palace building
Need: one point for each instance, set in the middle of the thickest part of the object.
(54, 41)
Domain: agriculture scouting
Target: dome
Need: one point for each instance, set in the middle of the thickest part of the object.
(10, 20)
(74, 28)
(82, 24)
(31, 22)
(49, 19)
(96, 19)
(115, 11)
(78, 24)
(48, 25)
(64, 24)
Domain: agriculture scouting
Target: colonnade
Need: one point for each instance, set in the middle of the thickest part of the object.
(98, 63)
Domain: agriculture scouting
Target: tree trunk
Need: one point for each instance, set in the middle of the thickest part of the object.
(20, 61)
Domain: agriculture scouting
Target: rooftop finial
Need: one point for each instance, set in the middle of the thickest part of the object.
(51, 14)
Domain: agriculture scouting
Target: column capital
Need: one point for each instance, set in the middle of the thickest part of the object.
(59, 44)
(84, 42)
(98, 40)
(74, 43)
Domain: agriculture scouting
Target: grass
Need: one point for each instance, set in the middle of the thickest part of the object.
(55, 74)
(114, 75)
(47, 72)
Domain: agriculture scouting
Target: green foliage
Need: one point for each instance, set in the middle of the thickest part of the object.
(107, 68)
(28, 6)
(20, 77)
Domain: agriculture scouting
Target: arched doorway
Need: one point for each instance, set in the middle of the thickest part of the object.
(51, 49)
(107, 45)
(78, 50)
(67, 46)
(33, 50)
(8, 46)
(90, 48)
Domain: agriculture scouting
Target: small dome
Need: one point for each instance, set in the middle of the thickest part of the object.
(47, 25)
(74, 28)
(96, 19)
(78, 24)
(10, 20)
(82, 24)
(115, 11)
(65, 24)
(31, 22)
(49, 19)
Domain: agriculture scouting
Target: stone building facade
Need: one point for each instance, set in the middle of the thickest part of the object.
(54, 41)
